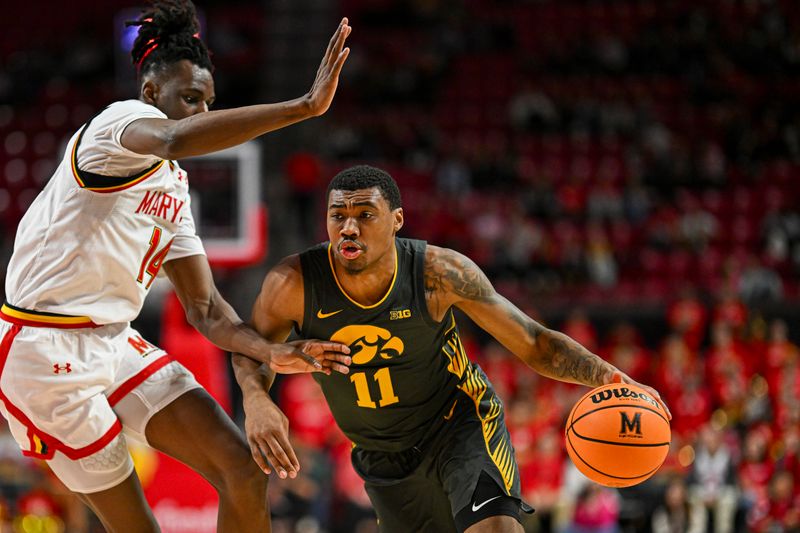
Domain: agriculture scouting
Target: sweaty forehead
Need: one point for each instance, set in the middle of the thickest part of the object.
(341, 198)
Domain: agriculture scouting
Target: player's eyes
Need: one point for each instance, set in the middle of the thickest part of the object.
(190, 99)
(366, 214)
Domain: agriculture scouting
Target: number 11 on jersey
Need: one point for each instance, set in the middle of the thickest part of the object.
(384, 380)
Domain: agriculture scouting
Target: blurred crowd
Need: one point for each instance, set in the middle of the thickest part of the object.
(590, 156)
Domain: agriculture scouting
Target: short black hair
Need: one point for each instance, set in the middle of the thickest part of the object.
(366, 177)
(168, 33)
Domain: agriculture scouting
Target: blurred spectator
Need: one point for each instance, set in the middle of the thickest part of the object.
(759, 284)
(712, 480)
(596, 511)
(688, 316)
(677, 514)
(781, 510)
(755, 471)
(581, 329)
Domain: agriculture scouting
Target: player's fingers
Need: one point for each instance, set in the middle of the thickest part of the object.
(281, 460)
(283, 442)
(333, 365)
(258, 457)
(337, 41)
(320, 347)
(658, 398)
(617, 378)
(274, 462)
(337, 67)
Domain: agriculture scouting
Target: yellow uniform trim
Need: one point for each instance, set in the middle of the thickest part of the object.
(475, 387)
(47, 318)
(336, 279)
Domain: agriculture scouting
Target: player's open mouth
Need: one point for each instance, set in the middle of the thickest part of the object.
(350, 250)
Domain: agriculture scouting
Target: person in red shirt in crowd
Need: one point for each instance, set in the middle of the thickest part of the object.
(676, 361)
(779, 351)
(688, 317)
(781, 512)
(787, 391)
(731, 310)
(756, 468)
(624, 349)
(541, 470)
(727, 369)
(692, 405)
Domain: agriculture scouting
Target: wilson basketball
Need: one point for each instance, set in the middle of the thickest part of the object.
(618, 435)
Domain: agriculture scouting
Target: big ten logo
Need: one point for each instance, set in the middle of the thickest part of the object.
(399, 314)
(366, 342)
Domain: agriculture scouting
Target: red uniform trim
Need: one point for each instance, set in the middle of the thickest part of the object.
(50, 444)
(137, 379)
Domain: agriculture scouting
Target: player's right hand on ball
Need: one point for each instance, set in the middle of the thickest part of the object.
(310, 356)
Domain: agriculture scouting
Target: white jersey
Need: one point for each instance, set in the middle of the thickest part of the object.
(93, 241)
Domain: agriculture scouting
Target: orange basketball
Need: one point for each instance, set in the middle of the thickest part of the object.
(618, 435)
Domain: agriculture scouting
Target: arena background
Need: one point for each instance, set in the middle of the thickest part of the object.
(624, 170)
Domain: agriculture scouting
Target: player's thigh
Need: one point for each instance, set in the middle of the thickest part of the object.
(416, 504)
(476, 464)
(195, 430)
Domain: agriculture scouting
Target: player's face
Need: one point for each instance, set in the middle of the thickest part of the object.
(361, 228)
(181, 90)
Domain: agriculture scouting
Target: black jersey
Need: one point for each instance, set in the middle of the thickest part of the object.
(406, 367)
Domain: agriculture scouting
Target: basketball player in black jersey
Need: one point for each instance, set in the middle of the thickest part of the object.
(429, 435)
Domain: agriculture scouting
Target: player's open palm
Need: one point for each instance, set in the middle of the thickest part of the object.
(267, 430)
(324, 87)
(310, 356)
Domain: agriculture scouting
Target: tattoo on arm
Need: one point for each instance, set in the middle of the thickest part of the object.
(457, 274)
(560, 357)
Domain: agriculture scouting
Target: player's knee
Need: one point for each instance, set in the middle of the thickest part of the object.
(240, 475)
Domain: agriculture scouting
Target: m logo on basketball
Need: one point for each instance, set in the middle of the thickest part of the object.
(634, 425)
(366, 342)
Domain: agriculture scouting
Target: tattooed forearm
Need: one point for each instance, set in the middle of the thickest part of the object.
(455, 273)
(562, 358)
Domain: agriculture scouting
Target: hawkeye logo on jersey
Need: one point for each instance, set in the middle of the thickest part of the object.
(399, 314)
(161, 205)
(366, 342)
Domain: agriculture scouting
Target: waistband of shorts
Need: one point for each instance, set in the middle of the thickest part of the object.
(40, 319)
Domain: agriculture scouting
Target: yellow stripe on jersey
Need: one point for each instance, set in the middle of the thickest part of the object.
(47, 318)
(453, 349)
(336, 279)
(500, 451)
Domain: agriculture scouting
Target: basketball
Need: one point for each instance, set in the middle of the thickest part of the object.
(617, 435)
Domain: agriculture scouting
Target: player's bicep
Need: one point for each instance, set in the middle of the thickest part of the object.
(279, 306)
(148, 136)
(468, 288)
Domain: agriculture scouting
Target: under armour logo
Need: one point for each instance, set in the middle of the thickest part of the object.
(57, 369)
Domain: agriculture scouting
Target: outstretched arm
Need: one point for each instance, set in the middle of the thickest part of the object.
(216, 130)
(212, 316)
(451, 279)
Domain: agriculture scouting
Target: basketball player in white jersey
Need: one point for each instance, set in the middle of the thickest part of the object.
(74, 376)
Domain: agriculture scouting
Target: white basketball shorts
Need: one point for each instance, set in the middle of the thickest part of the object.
(68, 392)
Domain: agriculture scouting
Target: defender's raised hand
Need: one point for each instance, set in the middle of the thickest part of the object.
(310, 356)
(324, 87)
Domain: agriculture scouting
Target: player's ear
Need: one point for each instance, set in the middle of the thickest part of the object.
(149, 92)
(398, 219)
